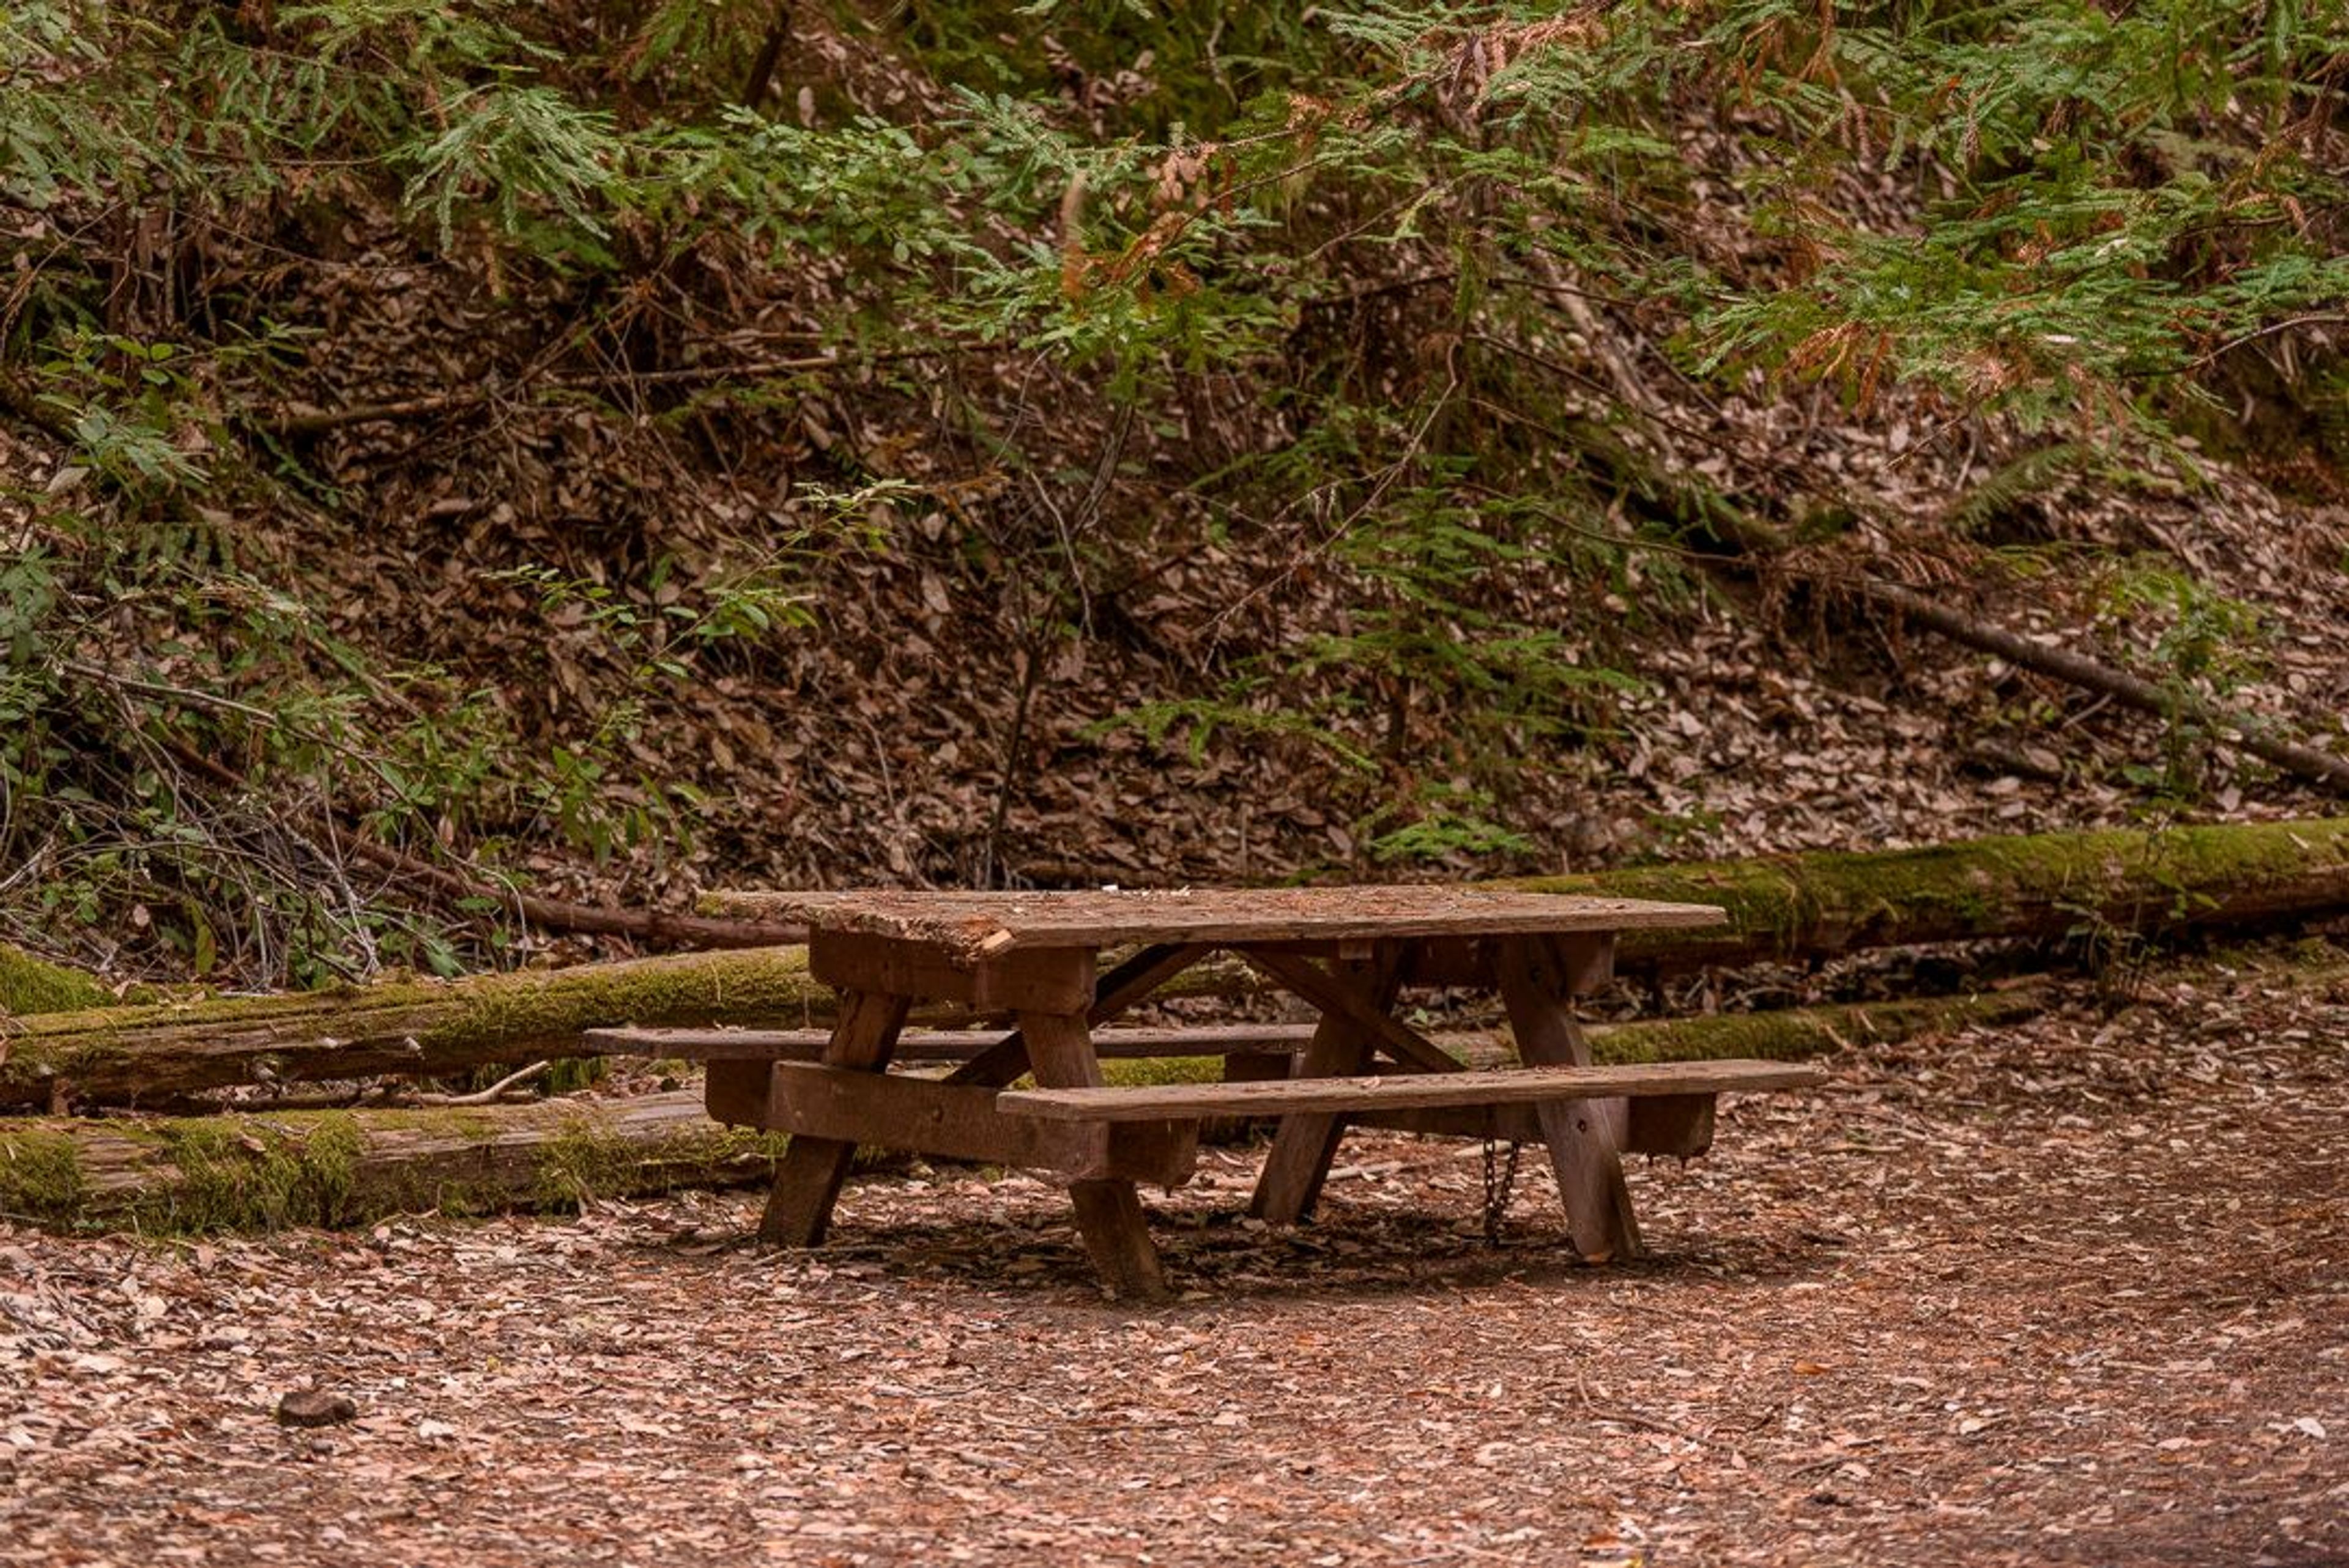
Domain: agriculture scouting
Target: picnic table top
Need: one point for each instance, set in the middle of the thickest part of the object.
(997, 923)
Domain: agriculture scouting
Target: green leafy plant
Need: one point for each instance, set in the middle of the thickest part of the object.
(2209, 646)
(1448, 822)
(1361, 315)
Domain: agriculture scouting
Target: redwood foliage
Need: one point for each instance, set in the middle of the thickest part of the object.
(416, 418)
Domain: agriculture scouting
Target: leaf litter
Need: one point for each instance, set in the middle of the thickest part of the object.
(2066, 1291)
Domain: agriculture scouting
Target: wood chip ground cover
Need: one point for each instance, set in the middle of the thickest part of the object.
(2073, 1291)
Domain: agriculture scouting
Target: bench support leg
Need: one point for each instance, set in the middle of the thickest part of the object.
(807, 1183)
(1109, 1213)
(1585, 1136)
(1304, 1145)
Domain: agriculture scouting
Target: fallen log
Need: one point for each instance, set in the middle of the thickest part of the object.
(1791, 1034)
(2246, 731)
(338, 1168)
(2115, 884)
(181, 1175)
(30, 984)
(159, 1054)
(121, 1054)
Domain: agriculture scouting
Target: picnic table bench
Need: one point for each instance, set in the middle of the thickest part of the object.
(1034, 959)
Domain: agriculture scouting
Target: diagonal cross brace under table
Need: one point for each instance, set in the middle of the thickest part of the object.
(1116, 994)
(1032, 956)
(1304, 1145)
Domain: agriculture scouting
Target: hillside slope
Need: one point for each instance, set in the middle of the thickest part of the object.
(1085, 448)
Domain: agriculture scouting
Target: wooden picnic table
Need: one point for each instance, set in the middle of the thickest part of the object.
(1036, 961)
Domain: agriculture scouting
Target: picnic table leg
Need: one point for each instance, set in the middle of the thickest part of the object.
(1585, 1136)
(1109, 1213)
(1304, 1145)
(808, 1180)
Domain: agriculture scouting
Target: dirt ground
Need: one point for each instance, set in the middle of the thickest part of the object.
(2076, 1291)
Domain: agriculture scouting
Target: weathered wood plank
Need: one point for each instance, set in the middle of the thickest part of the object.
(1117, 1237)
(807, 1183)
(1136, 978)
(1330, 993)
(955, 1122)
(735, 1092)
(1584, 961)
(979, 923)
(1051, 980)
(1402, 1091)
(947, 1044)
(1677, 1125)
(1448, 961)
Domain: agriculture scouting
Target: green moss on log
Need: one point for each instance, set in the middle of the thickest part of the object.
(1133, 1072)
(1793, 1033)
(40, 1176)
(2039, 885)
(238, 1174)
(754, 983)
(584, 1160)
(30, 984)
(412, 1025)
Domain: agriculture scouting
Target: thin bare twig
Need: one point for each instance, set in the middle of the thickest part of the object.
(490, 1094)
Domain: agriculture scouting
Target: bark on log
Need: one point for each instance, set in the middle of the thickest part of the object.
(347, 1168)
(2039, 886)
(262, 1172)
(117, 1054)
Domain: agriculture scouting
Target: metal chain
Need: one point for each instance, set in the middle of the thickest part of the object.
(1498, 1179)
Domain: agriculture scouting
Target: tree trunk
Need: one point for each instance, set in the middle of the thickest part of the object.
(232, 1173)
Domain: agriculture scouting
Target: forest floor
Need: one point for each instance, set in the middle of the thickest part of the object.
(2071, 1292)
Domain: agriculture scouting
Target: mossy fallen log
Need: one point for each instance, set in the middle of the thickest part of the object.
(1788, 1033)
(1791, 1034)
(2047, 885)
(339, 1168)
(157, 1052)
(184, 1175)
